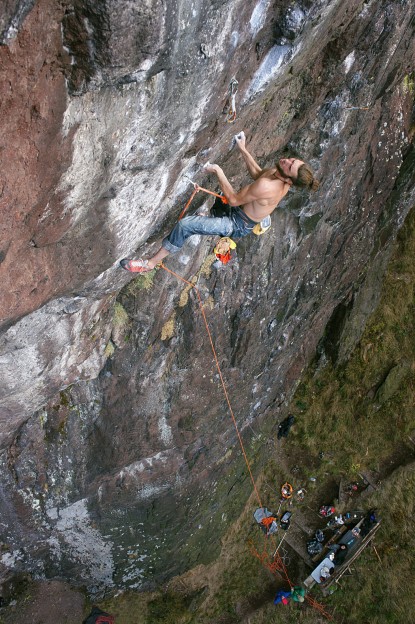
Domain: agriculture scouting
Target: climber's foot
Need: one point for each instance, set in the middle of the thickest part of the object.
(135, 266)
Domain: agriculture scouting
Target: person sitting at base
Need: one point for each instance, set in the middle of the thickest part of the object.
(282, 597)
(340, 555)
(298, 594)
(249, 206)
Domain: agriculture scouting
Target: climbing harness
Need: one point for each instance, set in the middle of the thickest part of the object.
(198, 188)
(262, 226)
(258, 229)
(223, 249)
(233, 90)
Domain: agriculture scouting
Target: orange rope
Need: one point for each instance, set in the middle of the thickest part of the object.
(277, 567)
(197, 189)
(222, 197)
(181, 215)
(221, 378)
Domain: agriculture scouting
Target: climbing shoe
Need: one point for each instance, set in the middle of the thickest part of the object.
(135, 266)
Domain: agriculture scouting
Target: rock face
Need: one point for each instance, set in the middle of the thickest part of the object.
(121, 464)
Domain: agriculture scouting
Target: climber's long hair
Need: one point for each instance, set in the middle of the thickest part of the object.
(305, 178)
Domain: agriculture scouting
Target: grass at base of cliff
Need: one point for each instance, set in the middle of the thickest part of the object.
(342, 412)
(128, 607)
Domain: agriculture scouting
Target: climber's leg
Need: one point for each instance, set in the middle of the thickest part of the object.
(220, 226)
(206, 226)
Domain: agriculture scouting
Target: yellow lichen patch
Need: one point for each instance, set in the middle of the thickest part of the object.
(409, 84)
(120, 318)
(43, 417)
(225, 457)
(206, 268)
(209, 303)
(184, 295)
(109, 349)
(168, 328)
(142, 282)
(204, 271)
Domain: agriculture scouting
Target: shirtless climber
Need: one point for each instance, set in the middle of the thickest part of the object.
(252, 204)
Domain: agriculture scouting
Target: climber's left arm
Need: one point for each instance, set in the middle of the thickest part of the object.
(260, 189)
(254, 169)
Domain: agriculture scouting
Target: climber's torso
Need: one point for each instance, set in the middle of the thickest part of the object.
(270, 188)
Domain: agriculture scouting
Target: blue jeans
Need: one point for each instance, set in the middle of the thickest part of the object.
(237, 225)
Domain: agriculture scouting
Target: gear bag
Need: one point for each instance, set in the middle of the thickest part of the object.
(262, 226)
(223, 249)
(97, 616)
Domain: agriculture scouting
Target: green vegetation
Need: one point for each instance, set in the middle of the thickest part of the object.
(409, 84)
(120, 329)
(128, 607)
(360, 414)
(142, 282)
(169, 608)
(109, 349)
(120, 318)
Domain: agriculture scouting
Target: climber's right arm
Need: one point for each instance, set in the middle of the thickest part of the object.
(254, 169)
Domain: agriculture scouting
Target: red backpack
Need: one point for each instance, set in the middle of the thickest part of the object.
(97, 616)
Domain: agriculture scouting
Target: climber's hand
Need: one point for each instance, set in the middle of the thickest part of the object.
(211, 168)
(240, 140)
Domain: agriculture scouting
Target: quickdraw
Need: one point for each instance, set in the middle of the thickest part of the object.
(233, 90)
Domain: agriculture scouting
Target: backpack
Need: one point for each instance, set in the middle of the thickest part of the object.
(319, 536)
(97, 616)
(314, 547)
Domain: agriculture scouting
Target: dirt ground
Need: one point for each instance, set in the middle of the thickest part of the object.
(49, 602)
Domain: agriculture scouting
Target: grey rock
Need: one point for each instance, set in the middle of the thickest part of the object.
(12, 14)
